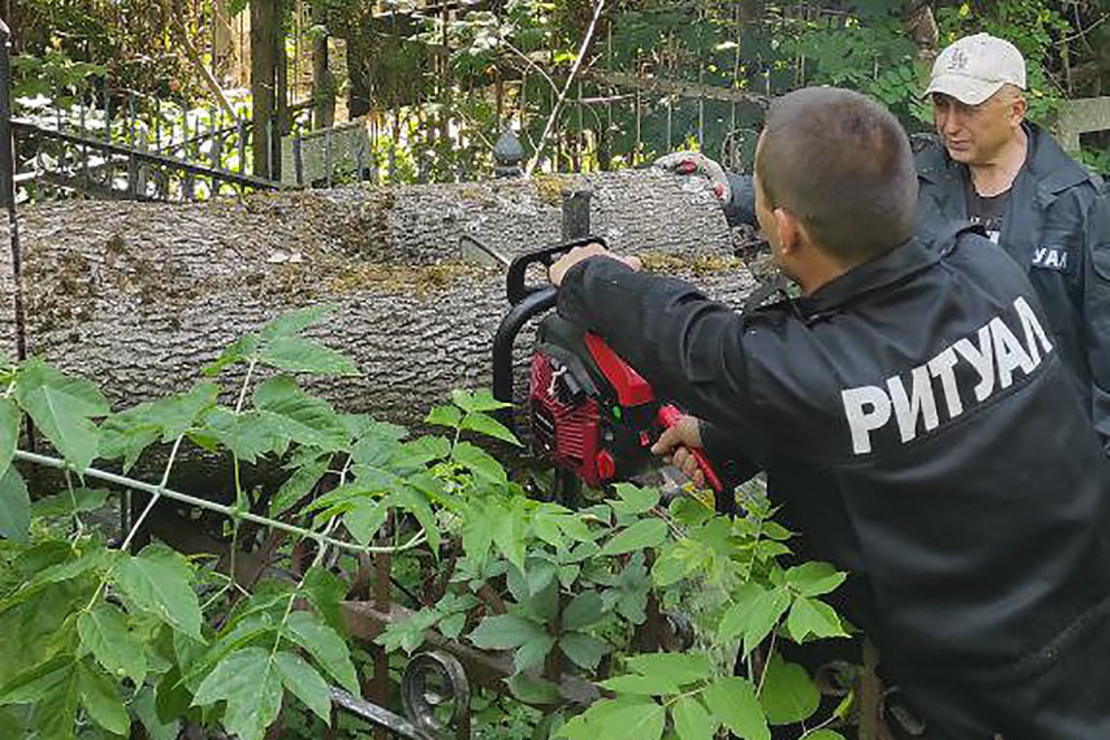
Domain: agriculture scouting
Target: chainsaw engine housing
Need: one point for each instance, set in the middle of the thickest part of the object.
(590, 412)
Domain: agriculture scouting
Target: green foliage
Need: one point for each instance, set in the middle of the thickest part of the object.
(96, 635)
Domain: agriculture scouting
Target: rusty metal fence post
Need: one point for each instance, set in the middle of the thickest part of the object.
(7, 182)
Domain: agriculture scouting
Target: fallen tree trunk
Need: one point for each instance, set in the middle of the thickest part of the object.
(138, 297)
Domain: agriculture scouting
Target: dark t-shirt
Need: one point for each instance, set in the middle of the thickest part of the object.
(987, 211)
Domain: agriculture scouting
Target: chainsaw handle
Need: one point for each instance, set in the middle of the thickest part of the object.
(515, 288)
(669, 415)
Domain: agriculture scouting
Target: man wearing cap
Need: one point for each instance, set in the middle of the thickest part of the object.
(995, 168)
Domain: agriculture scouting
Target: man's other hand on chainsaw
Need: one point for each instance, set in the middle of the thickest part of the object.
(556, 272)
(674, 446)
(696, 163)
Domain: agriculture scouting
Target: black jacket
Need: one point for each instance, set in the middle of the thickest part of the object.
(1057, 227)
(969, 507)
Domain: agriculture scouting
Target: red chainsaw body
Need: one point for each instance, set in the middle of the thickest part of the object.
(591, 412)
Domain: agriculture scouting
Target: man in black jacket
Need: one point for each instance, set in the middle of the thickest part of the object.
(912, 414)
(1046, 211)
(992, 166)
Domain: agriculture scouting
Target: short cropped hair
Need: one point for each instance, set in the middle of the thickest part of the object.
(841, 163)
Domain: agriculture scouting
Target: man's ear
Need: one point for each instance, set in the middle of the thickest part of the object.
(1018, 109)
(790, 230)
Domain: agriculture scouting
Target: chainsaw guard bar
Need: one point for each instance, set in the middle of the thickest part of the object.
(531, 304)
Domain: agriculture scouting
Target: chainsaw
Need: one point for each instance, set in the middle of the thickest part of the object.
(590, 413)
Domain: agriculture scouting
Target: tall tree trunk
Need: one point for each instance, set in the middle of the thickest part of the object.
(264, 33)
(358, 73)
(323, 81)
(223, 49)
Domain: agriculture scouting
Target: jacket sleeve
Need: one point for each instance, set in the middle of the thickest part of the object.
(690, 349)
(740, 208)
(731, 461)
(1096, 310)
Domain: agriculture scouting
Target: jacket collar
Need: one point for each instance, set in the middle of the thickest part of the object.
(891, 267)
(1045, 162)
(1048, 165)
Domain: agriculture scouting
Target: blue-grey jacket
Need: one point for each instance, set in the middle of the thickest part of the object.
(1057, 227)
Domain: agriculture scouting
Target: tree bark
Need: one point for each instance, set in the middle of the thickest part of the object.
(323, 81)
(138, 297)
(264, 34)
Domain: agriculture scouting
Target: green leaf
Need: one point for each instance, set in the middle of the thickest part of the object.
(293, 322)
(127, 434)
(634, 500)
(451, 627)
(788, 695)
(33, 684)
(325, 591)
(248, 682)
(302, 418)
(55, 717)
(248, 435)
(444, 416)
(813, 617)
(299, 355)
(15, 506)
(67, 503)
(298, 485)
(531, 690)
(505, 631)
(732, 700)
(479, 462)
(477, 532)
(584, 610)
(627, 718)
(825, 735)
(237, 351)
(11, 420)
(766, 611)
(100, 696)
(654, 685)
(642, 534)
(814, 579)
(159, 580)
(735, 619)
(420, 451)
(509, 531)
(104, 633)
(156, 729)
(585, 651)
(690, 511)
(62, 407)
(325, 646)
(679, 667)
(692, 721)
(365, 517)
(305, 683)
(477, 402)
(416, 503)
(478, 422)
(532, 653)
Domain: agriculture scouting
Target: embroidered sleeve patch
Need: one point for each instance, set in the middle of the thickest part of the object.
(1050, 257)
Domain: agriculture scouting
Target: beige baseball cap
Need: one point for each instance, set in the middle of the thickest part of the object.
(976, 67)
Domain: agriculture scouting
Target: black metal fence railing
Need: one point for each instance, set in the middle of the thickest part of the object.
(92, 140)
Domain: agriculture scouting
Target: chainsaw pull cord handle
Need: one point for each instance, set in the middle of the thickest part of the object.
(669, 415)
